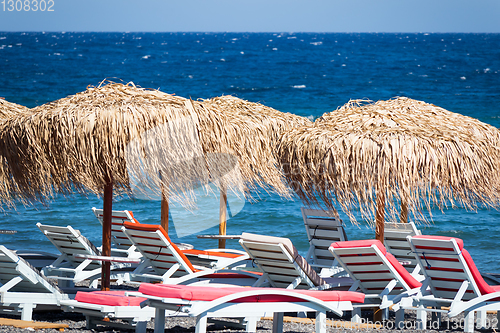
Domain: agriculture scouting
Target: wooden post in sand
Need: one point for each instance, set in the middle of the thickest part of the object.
(164, 206)
(106, 233)
(379, 217)
(222, 216)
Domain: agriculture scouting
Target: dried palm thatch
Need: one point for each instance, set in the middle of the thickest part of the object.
(136, 136)
(412, 153)
(119, 132)
(8, 187)
(254, 133)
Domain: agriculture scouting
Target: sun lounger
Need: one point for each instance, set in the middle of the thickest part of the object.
(283, 266)
(106, 307)
(23, 288)
(452, 280)
(123, 243)
(74, 263)
(119, 239)
(170, 265)
(375, 272)
(322, 230)
(204, 302)
(395, 241)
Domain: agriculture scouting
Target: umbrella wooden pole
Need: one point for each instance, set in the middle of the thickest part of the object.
(379, 218)
(164, 208)
(222, 217)
(106, 234)
(403, 217)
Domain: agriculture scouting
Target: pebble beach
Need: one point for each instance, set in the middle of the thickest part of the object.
(77, 324)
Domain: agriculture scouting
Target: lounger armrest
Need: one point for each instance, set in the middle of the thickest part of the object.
(472, 305)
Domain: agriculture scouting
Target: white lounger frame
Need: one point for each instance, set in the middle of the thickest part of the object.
(226, 307)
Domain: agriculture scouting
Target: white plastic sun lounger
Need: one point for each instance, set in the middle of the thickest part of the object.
(23, 288)
(110, 308)
(164, 261)
(375, 272)
(204, 302)
(283, 266)
(395, 235)
(322, 230)
(75, 263)
(452, 280)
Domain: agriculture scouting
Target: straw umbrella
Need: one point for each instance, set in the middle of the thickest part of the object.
(390, 154)
(91, 142)
(257, 129)
(8, 188)
(115, 136)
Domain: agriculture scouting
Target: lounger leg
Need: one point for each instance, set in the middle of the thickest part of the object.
(356, 315)
(469, 322)
(201, 324)
(250, 324)
(320, 322)
(159, 320)
(278, 322)
(481, 319)
(498, 320)
(90, 324)
(421, 318)
(140, 327)
(27, 311)
(436, 318)
(400, 319)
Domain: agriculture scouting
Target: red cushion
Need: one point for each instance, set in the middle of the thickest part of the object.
(203, 293)
(459, 241)
(112, 298)
(484, 288)
(407, 277)
(360, 243)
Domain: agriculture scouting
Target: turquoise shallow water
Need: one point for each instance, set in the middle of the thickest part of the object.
(307, 74)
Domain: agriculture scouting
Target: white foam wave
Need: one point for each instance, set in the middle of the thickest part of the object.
(299, 86)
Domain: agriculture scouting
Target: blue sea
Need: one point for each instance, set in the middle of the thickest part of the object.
(303, 73)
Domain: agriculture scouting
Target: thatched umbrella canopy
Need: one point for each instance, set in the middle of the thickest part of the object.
(255, 130)
(8, 188)
(390, 154)
(118, 136)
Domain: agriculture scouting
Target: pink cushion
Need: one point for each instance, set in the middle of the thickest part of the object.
(459, 241)
(407, 277)
(360, 243)
(203, 293)
(112, 298)
(484, 288)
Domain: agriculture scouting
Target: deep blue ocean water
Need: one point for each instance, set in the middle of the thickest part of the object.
(307, 74)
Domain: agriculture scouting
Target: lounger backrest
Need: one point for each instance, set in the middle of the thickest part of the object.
(70, 242)
(12, 266)
(155, 245)
(120, 240)
(444, 264)
(395, 242)
(322, 229)
(279, 259)
(368, 262)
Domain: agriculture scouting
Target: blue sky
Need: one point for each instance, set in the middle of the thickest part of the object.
(257, 16)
